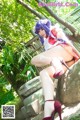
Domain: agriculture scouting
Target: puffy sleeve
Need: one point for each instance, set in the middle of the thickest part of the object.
(58, 32)
(54, 32)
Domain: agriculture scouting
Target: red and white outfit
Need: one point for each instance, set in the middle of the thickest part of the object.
(51, 42)
(61, 50)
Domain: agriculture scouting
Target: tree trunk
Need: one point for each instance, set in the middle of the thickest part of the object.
(75, 36)
(66, 24)
(30, 9)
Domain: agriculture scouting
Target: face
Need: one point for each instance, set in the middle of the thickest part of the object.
(42, 33)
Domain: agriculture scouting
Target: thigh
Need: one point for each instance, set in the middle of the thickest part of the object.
(58, 51)
(50, 70)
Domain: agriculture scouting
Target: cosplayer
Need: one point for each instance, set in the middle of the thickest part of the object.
(59, 54)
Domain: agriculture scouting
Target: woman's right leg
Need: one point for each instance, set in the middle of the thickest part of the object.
(48, 90)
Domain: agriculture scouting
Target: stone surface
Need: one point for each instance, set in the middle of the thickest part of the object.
(67, 113)
(19, 116)
(38, 117)
(30, 87)
(24, 112)
(70, 111)
(34, 103)
(34, 108)
(31, 98)
(68, 92)
(69, 85)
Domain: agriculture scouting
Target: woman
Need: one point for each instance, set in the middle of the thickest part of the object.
(59, 54)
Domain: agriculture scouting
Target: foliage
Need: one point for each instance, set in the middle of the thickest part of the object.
(6, 97)
(15, 69)
(77, 117)
(14, 61)
(16, 23)
(5, 94)
(17, 102)
(16, 64)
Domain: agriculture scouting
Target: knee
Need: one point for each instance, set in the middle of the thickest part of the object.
(43, 72)
(36, 60)
(33, 60)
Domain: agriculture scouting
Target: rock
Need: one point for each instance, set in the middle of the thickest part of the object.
(34, 103)
(30, 87)
(24, 112)
(33, 109)
(69, 112)
(31, 98)
(38, 117)
(68, 90)
(19, 116)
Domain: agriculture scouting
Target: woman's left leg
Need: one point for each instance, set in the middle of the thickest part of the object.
(41, 60)
(46, 57)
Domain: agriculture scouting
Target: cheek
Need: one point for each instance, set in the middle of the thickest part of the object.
(43, 33)
(40, 33)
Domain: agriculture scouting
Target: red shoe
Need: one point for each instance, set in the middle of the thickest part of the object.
(56, 75)
(47, 118)
(57, 109)
(57, 106)
(57, 63)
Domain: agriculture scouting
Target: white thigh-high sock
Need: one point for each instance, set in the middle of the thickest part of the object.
(48, 91)
(40, 60)
(56, 63)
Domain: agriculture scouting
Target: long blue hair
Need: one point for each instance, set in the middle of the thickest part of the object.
(43, 24)
(46, 25)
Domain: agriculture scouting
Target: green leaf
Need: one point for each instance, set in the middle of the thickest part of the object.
(78, 1)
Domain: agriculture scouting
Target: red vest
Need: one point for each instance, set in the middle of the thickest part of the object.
(51, 39)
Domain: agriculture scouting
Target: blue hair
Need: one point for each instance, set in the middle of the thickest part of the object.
(43, 24)
(46, 25)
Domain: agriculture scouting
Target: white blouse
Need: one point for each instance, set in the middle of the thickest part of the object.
(47, 45)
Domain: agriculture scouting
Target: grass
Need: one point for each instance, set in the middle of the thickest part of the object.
(17, 102)
(77, 117)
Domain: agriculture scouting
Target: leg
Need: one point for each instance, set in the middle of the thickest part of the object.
(47, 83)
(48, 89)
(41, 60)
(46, 57)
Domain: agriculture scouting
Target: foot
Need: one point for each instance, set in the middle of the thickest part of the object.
(51, 108)
(48, 108)
(56, 63)
(47, 118)
(56, 75)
